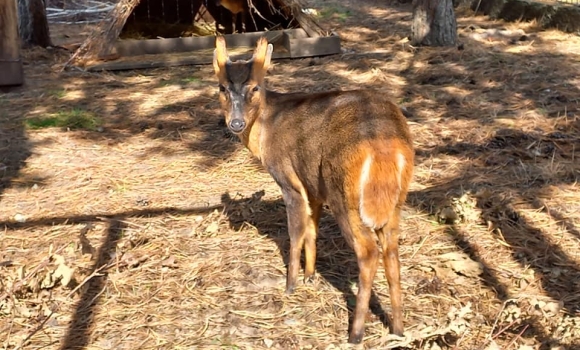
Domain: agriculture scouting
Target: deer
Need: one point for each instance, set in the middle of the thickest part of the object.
(237, 8)
(351, 150)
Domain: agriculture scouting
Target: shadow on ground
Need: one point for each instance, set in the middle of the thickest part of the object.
(336, 261)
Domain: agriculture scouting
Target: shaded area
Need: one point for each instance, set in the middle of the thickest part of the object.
(491, 162)
(336, 261)
(15, 148)
(72, 220)
(104, 260)
(78, 335)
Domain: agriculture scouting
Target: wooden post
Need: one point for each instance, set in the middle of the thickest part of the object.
(10, 63)
(434, 23)
(32, 23)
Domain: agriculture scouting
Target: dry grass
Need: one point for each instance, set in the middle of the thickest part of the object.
(172, 237)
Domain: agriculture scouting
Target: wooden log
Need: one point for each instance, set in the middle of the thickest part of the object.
(434, 23)
(300, 45)
(166, 60)
(32, 23)
(172, 45)
(294, 9)
(139, 54)
(10, 63)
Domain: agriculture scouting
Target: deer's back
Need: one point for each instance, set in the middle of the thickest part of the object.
(314, 135)
(358, 115)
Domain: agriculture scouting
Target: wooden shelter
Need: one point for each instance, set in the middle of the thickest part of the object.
(153, 33)
(10, 62)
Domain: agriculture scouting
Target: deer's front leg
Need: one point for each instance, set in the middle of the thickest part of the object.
(299, 219)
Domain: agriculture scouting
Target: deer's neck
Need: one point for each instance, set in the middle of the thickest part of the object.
(253, 140)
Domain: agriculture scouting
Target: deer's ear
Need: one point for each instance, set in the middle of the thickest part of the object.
(220, 56)
(261, 59)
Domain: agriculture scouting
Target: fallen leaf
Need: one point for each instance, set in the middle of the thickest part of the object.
(131, 260)
(551, 308)
(462, 264)
(447, 216)
(290, 322)
(554, 307)
(443, 272)
(247, 330)
(24, 311)
(459, 319)
(58, 259)
(512, 312)
(169, 262)
(65, 274)
(268, 282)
(48, 281)
(493, 346)
(212, 228)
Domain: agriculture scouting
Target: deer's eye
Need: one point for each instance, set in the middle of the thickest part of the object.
(222, 88)
(256, 88)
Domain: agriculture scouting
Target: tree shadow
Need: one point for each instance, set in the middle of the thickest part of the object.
(15, 148)
(79, 329)
(78, 334)
(502, 153)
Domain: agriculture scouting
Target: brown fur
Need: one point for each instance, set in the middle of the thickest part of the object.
(383, 190)
(237, 8)
(234, 6)
(315, 147)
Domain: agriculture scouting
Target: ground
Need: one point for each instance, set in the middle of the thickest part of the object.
(132, 220)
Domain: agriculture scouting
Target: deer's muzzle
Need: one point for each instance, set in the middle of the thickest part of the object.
(237, 125)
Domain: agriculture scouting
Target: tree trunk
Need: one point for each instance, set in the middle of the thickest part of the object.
(32, 22)
(10, 64)
(433, 23)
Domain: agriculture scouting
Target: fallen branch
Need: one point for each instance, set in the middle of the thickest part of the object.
(59, 12)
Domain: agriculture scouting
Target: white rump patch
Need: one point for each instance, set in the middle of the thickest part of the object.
(364, 179)
(401, 163)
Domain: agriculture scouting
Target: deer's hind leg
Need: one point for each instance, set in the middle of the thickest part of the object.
(361, 238)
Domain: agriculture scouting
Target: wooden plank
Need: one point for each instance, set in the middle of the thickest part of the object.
(308, 24)
(296, 34)
(296, 43)
(174, 45)
(11, 73)
(130, 65)
(142, 54)
(10, 63)
(166, 61)
(308, 47)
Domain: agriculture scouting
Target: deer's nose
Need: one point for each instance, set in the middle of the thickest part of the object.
(237, 125)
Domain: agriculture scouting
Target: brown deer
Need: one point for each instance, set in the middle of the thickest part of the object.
(349, 149)
(237, 8)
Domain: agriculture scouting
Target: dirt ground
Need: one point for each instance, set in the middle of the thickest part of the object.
(130, 218)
